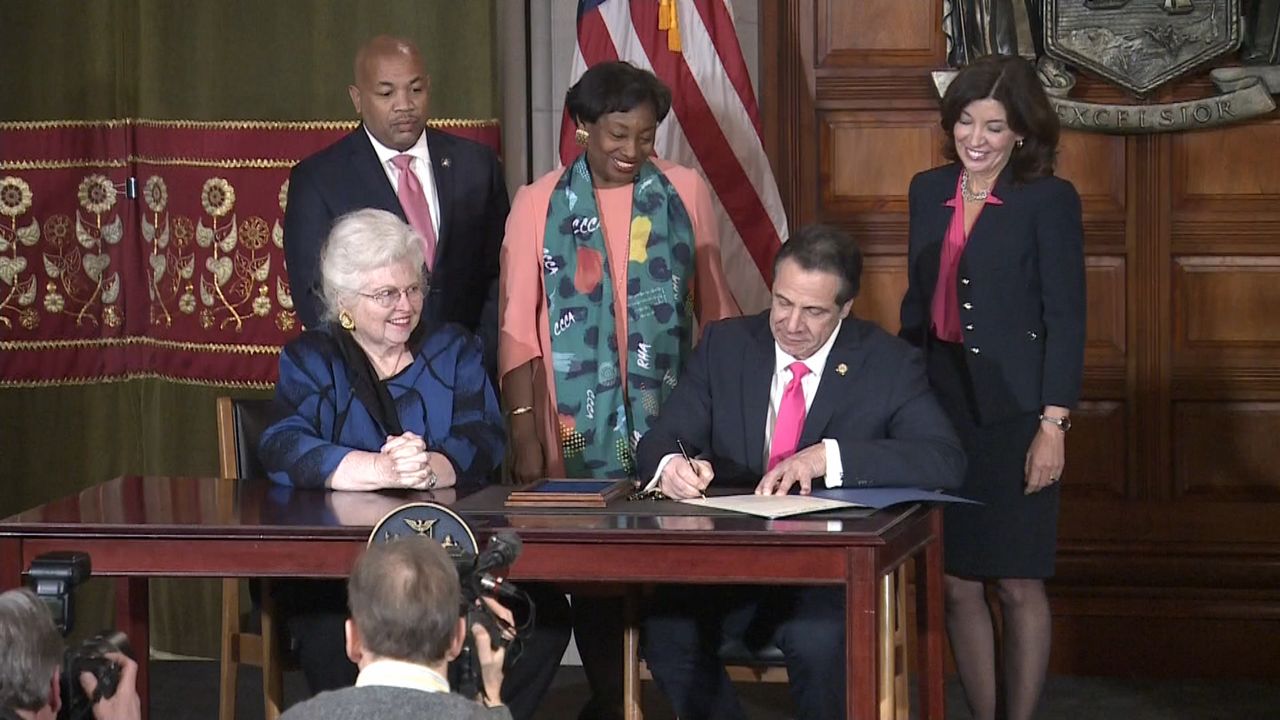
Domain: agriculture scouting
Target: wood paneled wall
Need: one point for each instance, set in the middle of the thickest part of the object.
(1169, 558)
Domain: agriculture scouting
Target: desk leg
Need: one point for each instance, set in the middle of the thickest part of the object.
(10, 564)
(860, 636)
(631, 690)
(131, 618)
(931, 626)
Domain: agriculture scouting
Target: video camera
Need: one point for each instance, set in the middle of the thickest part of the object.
(53, 577)
(474, 567)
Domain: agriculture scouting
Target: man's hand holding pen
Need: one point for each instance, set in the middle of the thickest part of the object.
(685, 477)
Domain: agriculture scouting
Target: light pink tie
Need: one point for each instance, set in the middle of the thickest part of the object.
(414, 201)
(786, 429)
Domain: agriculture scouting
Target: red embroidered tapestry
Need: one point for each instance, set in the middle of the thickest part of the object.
(151, 249)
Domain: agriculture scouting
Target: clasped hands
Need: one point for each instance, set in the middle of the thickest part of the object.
(405, 462)
(682, 480)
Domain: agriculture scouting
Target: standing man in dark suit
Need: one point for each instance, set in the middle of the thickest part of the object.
(449, 189)
(802, 394)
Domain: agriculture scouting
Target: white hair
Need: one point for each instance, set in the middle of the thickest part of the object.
(359, 243)
(30, 651)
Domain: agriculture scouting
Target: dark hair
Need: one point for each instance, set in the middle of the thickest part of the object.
(828, 249)
(405, 600)
(616, 87)
(1012, 81)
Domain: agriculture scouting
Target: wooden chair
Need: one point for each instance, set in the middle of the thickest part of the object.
(767, 664)
(249, 637)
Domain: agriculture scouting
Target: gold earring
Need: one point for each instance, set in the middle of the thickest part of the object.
(347, 322)
(581, 137)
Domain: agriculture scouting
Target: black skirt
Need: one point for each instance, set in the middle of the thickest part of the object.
(1011, 534)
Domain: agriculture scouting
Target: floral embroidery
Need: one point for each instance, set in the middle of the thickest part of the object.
(156, 193)
(97, 194)
(15, 196)
(217, 197)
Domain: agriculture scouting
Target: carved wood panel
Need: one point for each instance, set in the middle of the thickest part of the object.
(1226, 450)
(883, 33)
(1225, 310)
(867, 159)
(1105, 318)
(1095, 456)
(884, 282)
(1171, 503)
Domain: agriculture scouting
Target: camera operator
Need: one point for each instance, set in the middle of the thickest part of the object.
(31, 666)
(405, 627)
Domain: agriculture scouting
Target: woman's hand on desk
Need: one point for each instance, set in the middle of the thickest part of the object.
(402, 463)
(407, 455)
(415, 467)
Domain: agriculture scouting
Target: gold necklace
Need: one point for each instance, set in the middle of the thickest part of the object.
(968, 193)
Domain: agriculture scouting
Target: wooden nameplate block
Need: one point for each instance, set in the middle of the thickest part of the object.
(561, 492)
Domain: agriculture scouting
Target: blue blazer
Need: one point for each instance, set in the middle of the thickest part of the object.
(891, 430)
(347, 176)
(444, 396)
(1020, 286)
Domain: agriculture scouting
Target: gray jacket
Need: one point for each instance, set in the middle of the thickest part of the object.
(392, 703)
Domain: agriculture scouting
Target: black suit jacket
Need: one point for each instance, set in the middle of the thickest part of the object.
(1020, 286)
(890, 427)
(347, 176)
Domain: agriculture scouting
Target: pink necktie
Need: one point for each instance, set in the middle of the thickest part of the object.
(414, 201)
(786, 429)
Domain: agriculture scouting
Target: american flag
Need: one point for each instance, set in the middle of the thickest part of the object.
(714, 124)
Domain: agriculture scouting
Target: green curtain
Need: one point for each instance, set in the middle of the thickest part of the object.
(232, 60)
(159, 59)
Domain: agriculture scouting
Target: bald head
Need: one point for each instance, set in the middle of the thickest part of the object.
(383, 46)
(390, 90)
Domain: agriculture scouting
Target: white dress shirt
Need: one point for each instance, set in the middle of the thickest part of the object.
(421, 167)
(816, 363)
(401, 674)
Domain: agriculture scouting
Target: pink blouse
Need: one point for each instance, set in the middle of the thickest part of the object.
(945, 309)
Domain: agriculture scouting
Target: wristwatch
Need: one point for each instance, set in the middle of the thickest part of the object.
(1063, 423)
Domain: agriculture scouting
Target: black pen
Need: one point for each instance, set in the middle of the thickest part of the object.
(685, 454)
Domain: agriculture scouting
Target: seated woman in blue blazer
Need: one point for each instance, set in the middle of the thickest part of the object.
(372, 400)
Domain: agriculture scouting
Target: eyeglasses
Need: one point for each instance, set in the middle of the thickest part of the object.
(388, 297)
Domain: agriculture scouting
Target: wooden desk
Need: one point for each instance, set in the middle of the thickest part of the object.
(140, 527)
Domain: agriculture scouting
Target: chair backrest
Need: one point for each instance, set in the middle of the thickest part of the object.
(240, 424)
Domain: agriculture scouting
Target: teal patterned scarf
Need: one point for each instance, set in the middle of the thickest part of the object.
(600, 421)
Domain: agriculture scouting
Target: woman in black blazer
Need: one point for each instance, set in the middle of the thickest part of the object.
(996, 298)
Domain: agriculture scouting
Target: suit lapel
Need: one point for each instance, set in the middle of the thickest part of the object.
(937, 216)
(834, 387)
(992, 215)
(757, 375)
(442, 170)
(939, 213)
(371, 176)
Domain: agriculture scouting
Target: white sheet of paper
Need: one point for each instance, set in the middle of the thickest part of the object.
(771, 506)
